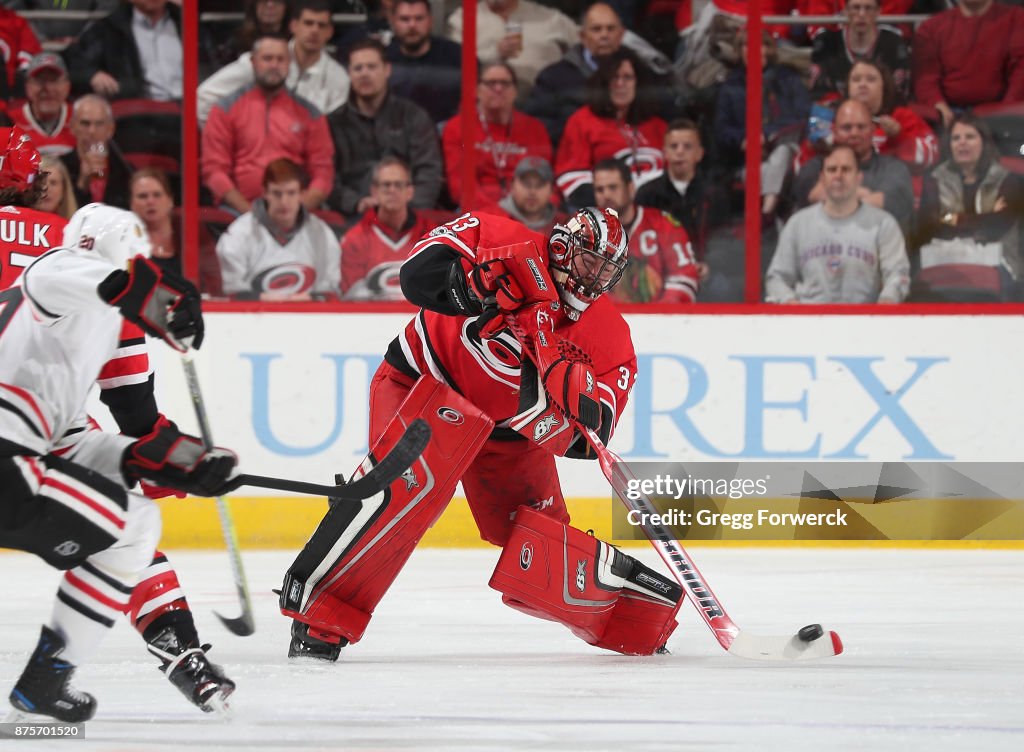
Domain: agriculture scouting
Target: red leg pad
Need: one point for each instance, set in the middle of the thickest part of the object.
(360, 547)
(556, 572)
(551, 570)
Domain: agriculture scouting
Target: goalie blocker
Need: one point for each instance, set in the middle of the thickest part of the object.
(547, 569)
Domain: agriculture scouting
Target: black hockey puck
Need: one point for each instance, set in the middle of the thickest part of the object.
(810, 633)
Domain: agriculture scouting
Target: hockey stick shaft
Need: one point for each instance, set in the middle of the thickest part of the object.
(244, 624)
(405, 452)
(672, 553)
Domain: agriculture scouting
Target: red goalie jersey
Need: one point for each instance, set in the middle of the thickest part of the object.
(493, 373)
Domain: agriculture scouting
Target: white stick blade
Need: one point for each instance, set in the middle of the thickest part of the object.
(786, 649)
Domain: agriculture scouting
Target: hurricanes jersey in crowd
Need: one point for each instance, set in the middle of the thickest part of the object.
(588, 139)
(254, 259)
(372, 253)
(25, 234)
(488, 372)
(661, 266)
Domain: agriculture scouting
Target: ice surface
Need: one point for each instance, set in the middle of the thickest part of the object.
(934, 661)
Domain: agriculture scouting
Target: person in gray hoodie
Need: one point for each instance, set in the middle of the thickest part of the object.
(841, 250)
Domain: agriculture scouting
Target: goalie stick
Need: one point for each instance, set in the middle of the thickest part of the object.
(807, 644)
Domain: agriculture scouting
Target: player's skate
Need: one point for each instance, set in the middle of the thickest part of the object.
(44, 691)
(188, 668)
(306, 645)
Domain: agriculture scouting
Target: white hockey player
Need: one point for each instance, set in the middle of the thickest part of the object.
(58, 327)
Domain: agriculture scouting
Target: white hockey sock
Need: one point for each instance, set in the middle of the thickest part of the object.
(89, 602)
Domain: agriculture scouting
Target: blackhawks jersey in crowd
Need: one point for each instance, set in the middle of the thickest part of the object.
(661, 265)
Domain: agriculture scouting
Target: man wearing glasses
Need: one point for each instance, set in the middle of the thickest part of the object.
(373, 250)
(501, 135)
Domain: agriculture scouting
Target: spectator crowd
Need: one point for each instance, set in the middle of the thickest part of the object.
(892, 155)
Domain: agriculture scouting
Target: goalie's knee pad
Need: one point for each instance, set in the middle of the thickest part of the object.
(608, 599)
(360, 546)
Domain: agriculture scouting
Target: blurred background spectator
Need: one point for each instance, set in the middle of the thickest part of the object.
(841, 250)
(530, 198)
(260, 123)
(560, 88)
(135, 52)
(261, 17)
(684, 189)
(373, 250)
(501, 136)
(969, 223)
(279, 251)
(618, 122)
(661, 266)
(425, 68)
(899, 131)
(969, 55)
(153, 202)
(313, 74)
(861, 38)
(59, 197)
(46, 115)
(885, 182)
(785, 104)
(96, 165)
(526, 35)
(18, 43)
(376, 26)
(375, 123)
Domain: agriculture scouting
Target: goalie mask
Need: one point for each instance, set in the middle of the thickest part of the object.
(19, 160)
(115, 234)
(587, 256)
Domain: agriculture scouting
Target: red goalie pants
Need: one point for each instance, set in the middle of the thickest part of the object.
(503, 476)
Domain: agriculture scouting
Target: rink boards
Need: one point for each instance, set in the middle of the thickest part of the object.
(287, 391)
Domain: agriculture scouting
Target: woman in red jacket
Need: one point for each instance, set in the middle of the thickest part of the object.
(617, 122)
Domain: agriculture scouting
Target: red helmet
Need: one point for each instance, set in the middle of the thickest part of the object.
(588, 255)
(19, 160)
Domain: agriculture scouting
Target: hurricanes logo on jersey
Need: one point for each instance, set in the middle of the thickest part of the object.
(544, 426)
(581, 574)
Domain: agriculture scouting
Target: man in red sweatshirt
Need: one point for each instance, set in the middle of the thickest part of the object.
(969, 55)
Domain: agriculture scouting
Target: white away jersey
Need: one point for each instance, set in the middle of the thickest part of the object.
(56, 334)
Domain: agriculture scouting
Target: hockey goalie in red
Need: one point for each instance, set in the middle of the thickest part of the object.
(499, 418)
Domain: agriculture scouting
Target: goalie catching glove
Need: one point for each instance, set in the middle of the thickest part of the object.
(163, 304)
(502, 280)
(172, 458)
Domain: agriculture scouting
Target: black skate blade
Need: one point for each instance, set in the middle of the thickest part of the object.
(243, 626)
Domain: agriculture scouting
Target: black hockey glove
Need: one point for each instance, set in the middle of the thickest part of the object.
(459, 292)
(172, 458)
(164, 304)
